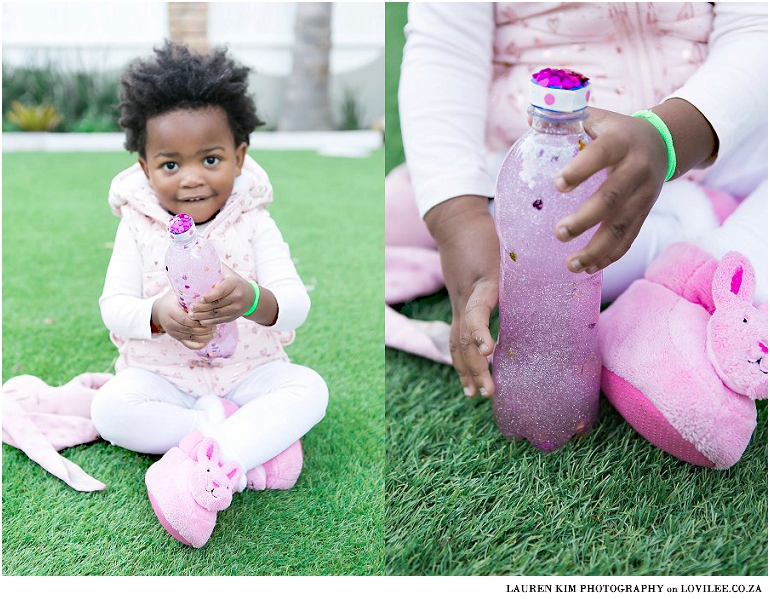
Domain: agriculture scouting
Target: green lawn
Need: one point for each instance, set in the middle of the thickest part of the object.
(56, 234)
(395, 19)
(464, 501)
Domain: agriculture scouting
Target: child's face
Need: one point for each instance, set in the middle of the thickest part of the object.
(191, 160)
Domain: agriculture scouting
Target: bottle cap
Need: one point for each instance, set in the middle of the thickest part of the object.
(181, 229)
(560, 90)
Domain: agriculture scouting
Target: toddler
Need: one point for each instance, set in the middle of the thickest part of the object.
(223, 425)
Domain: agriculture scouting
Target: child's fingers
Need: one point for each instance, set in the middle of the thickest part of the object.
(185, 328)
(471, 367)
(228, 301)
(199, 334)
(614, 199)
(597, 121)
(466, 379)
(477, 311)
(228, 287)
(602, 153)
(185, 322)
(615, 235)
(215, 312)
(475, 342)
(217, 297)
(216, 316)
(603, 249)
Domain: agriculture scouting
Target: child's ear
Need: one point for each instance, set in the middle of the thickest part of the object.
(240, 156)
(143, 164)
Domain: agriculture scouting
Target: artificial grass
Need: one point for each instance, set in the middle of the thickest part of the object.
(57, 231)
(462, 500)
(395, 19)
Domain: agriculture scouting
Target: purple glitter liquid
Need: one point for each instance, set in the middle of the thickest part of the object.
(194, 268)
(546, 364)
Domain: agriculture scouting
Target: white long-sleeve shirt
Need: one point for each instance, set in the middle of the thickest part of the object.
(126, 313)
(450, 61)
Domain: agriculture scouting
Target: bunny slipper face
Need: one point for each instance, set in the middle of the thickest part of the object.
(211, 482)
(736, 340)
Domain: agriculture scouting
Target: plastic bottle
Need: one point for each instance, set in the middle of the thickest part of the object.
(194, 268)
(546, 364)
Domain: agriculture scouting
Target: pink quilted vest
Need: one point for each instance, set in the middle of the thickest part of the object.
(231, 233)
(634, 53)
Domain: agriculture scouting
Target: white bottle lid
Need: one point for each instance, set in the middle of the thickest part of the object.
(559, 90)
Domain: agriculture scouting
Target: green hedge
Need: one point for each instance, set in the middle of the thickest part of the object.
(86, 101)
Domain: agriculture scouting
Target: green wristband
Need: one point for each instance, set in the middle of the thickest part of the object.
(660, 127)
(250, 311)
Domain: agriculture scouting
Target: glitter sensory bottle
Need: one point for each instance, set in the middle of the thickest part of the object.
(546, 365)
(194, 268)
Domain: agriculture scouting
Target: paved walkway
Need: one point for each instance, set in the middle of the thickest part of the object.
(334, 143)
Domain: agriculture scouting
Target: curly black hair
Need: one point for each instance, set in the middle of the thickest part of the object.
(178, 78)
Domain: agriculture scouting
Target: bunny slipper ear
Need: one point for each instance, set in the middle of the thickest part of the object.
(733, 279)
(234, 471)
(208, 451)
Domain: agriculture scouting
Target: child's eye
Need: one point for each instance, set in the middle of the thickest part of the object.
(211, 160)
(169, 166)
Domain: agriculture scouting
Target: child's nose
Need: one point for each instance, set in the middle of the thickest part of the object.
(192, 178)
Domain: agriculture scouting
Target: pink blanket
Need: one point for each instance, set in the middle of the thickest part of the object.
(42, 420)
(412, 270)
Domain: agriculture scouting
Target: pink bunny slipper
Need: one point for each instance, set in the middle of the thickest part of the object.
(190, 484)
(278, 473)
(187, 490)
(684, 355)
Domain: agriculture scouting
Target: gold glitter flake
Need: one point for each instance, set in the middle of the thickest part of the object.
(581, 145)
(513, 256)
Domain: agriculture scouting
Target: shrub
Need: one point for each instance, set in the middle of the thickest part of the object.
(351, 112)
(85, 101)
(34, 118)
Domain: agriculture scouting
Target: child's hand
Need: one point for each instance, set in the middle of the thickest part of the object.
(470, 260)
(167, 312)
(635, 157)
(229, 300)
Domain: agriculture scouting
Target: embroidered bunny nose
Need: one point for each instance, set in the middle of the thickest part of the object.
(763, 347)
(216, 484)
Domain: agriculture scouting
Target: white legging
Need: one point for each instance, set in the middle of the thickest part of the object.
(278, 403)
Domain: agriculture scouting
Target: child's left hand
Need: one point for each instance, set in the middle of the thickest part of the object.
(635, 158)
(229, 300)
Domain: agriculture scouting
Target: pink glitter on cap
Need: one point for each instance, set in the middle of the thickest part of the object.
(559, 90)
(181, 228)
(181, 223)
(560, 79)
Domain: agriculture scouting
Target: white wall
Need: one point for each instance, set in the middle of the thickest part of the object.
(107, 35)
(90, 35)
(261, 34)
